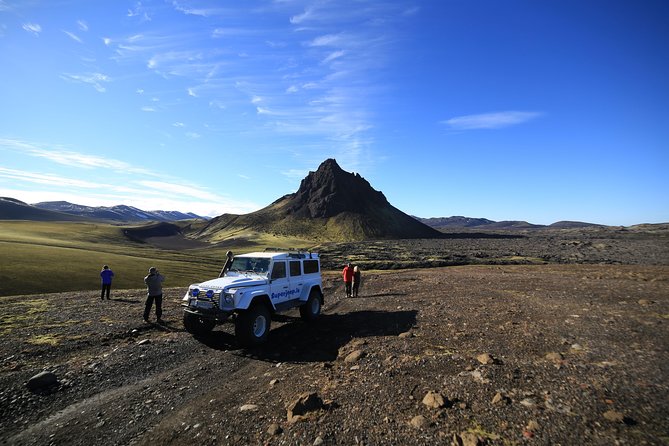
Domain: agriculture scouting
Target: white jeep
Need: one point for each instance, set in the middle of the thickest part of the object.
(255, 286)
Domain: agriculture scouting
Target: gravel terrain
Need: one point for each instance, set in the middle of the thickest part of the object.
(636, 245)
(481, 354)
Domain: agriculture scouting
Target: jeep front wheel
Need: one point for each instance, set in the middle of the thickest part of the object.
(311, 309)
(252, 325)
(196, 325)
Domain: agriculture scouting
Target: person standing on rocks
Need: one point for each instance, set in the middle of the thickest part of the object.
(348, 278)
(106, 274)
(155, 293)
(356, 280)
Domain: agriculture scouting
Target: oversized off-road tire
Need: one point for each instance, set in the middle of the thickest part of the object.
(196, 325)
(311, 309)
(252, 325)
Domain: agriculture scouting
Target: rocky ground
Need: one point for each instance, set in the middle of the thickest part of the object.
(636, 245)
(500, 354)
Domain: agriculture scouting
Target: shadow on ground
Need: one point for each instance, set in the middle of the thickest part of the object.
(300, 342)
(126, 300)
(363, 296)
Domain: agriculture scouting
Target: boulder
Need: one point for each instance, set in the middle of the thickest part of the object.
(419, 422)
(274, 429)
(42, 381)
(614, 416)
(554, 356)
(300, 408)
(485, 358)
(433, 400)
(466, 439)
(354, 356)
(500, 399)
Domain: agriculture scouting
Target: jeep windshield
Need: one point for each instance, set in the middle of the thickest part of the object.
(257, 265)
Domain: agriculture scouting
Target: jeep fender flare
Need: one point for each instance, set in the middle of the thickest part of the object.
(318, 291)
(255, 298)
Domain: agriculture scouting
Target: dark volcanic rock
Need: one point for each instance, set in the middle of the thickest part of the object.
(350, 201)
(42, 381)
(330, 191)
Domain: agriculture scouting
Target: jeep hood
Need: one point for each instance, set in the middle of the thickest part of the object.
(232, 282)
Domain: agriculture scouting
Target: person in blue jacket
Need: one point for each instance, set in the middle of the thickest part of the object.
(106, 274)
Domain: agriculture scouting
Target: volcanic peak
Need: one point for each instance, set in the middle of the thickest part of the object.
(330, 191)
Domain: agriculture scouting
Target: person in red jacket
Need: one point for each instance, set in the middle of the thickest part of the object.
(348, 278)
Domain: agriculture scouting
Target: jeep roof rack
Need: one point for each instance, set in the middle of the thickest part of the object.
(296, 253)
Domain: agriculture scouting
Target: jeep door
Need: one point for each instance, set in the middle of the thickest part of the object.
(296, 279)
(281, 289)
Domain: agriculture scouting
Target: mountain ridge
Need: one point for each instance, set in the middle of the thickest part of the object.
(13, 209)
(460, 222)
(117, 213)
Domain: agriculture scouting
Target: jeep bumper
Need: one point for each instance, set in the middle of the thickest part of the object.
(208, 313)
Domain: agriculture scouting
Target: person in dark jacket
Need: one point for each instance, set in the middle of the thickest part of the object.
(356, 280)
(154, 293)
(106, 274)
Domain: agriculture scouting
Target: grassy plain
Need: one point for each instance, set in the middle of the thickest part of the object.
(249, 239)
(39, 257)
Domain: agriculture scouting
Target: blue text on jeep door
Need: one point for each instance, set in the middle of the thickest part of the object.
(280, 287)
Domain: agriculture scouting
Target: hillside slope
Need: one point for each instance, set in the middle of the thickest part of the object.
(330, 204)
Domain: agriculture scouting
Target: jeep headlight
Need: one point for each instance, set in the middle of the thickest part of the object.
(194, 292)
(228, 298)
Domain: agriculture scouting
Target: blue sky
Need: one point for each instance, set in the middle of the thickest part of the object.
(509, 110)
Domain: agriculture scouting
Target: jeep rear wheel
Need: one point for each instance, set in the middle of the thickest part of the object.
(197, 325)
(310, 310)
(252, 325)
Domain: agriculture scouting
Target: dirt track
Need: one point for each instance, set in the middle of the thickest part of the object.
(575, 355)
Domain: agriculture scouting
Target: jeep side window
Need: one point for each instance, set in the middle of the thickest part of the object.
(279, 270)
(310, 266)
(295, 268)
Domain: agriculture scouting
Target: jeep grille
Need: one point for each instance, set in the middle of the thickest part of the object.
(205, 295)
